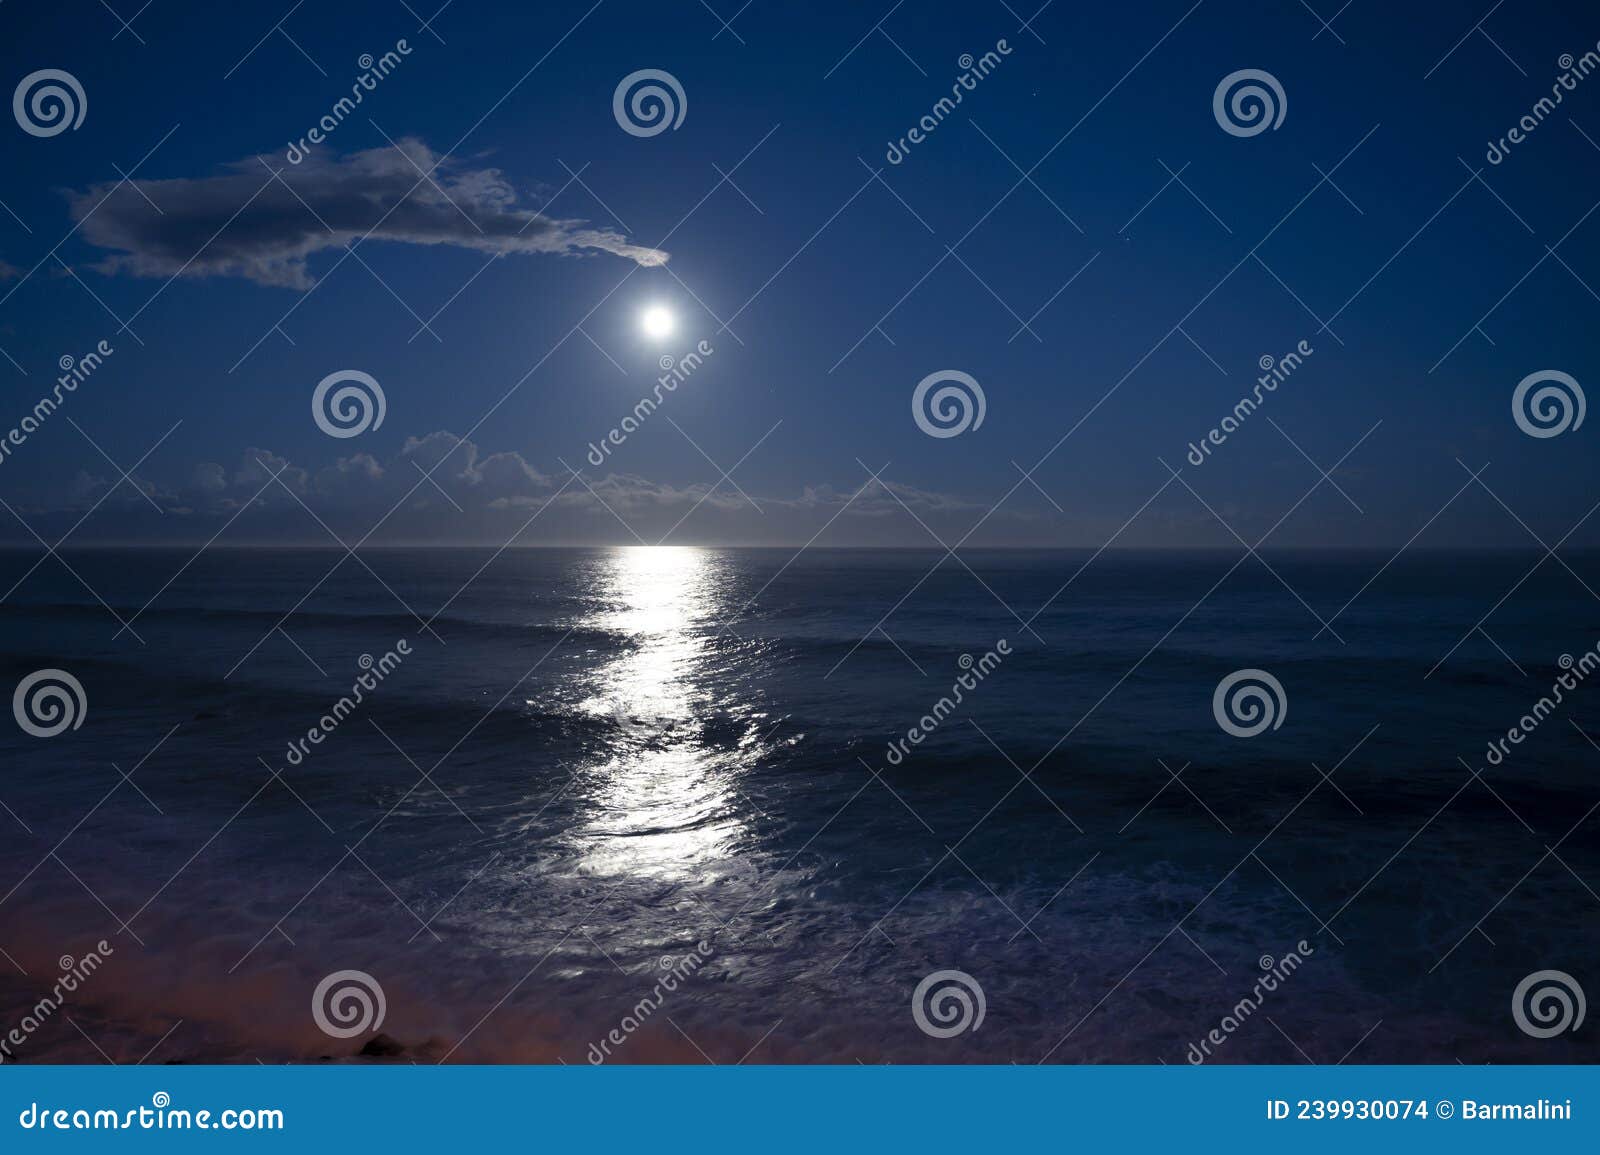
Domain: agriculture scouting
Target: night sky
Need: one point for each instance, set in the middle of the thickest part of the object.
(1080, 236)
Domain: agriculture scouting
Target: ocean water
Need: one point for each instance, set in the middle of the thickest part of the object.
(598, 768)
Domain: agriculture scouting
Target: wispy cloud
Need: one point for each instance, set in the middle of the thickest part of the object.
(155, 228)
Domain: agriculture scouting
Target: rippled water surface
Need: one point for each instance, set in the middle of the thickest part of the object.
(598, 767)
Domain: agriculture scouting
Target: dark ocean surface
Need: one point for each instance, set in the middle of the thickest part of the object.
(593, 761)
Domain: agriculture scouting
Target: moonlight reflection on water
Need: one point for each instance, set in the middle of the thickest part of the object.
(662, 789)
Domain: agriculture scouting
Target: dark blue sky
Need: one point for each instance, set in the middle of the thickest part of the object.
(1151, 346)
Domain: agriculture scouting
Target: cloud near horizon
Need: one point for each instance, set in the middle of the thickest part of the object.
(486, 493)
(155, 228)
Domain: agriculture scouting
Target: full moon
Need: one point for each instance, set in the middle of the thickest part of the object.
(658, 321)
